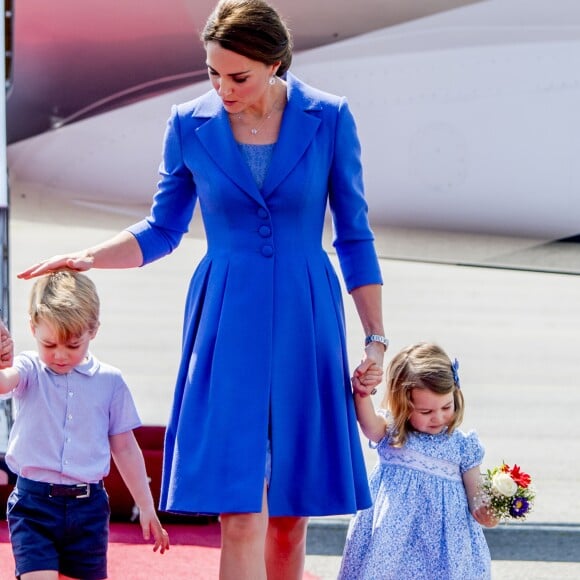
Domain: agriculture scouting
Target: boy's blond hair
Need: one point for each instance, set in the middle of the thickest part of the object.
(419, 366)
(66, 300)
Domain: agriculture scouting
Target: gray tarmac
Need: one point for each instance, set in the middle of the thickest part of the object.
(519, 551)
(508, 309)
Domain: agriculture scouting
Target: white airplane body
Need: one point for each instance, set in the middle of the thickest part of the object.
(469, 121)
(468, 112)
(74, 59)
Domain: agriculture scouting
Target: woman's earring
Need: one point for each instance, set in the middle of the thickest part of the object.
(272, 80)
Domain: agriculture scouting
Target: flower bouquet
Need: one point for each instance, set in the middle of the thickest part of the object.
(507, 492)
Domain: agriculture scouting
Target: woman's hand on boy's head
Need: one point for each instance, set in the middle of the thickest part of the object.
(77, 261)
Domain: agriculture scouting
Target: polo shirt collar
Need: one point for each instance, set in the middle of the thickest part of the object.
(88, 367)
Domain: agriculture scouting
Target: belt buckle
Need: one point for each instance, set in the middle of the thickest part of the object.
(87, 487)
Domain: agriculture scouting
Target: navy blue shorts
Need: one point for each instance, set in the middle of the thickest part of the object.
(68, 534)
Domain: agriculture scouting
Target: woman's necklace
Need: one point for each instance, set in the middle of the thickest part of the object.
(255, 130)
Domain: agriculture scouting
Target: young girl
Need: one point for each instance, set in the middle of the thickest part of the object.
(424, 523)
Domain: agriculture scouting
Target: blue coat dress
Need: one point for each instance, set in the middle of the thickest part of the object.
(264, 350)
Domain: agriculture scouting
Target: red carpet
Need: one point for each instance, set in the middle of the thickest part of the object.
(194, 553)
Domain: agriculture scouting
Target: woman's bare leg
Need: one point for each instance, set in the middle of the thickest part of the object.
(242, 545)
(286, 548)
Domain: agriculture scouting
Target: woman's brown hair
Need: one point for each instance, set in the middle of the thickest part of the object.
(251, 28)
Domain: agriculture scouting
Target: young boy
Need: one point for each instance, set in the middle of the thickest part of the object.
(73, 412)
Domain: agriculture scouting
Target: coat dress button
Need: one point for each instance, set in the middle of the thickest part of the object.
(267, 251)
(265, 231)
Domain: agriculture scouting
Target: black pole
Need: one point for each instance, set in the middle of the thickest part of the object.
(6, 416)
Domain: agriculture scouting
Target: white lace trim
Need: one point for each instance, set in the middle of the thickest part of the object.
(414, 460)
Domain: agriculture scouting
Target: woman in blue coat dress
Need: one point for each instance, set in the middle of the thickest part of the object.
(262, 430)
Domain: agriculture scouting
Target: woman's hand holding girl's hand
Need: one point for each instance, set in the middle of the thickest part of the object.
(369, 373)
(366, 384)
(79, 261)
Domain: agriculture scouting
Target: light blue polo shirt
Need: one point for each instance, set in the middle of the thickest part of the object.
(63, 422)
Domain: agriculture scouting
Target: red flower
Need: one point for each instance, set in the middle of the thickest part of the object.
(505, 468)
(521, 478)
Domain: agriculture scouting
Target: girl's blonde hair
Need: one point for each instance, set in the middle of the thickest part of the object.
(68, 301)
(419, 366)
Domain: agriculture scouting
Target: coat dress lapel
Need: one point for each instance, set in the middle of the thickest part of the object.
(217, 138)
(297, 131)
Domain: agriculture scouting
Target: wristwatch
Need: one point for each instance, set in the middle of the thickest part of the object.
(377, 338)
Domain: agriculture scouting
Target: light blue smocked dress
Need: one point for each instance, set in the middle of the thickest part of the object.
(419, 527)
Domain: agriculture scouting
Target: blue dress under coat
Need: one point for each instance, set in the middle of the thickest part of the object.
(264, 351)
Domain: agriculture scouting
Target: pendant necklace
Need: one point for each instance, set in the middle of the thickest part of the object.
(255, 130)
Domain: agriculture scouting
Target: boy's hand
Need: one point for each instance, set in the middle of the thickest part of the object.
(6, 347)
(150, 524)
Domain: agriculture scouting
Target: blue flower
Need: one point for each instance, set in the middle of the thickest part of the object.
(519, 507)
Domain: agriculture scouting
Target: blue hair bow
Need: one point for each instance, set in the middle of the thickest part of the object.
(454, 369)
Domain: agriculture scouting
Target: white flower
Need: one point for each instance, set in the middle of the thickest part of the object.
(504, 484)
